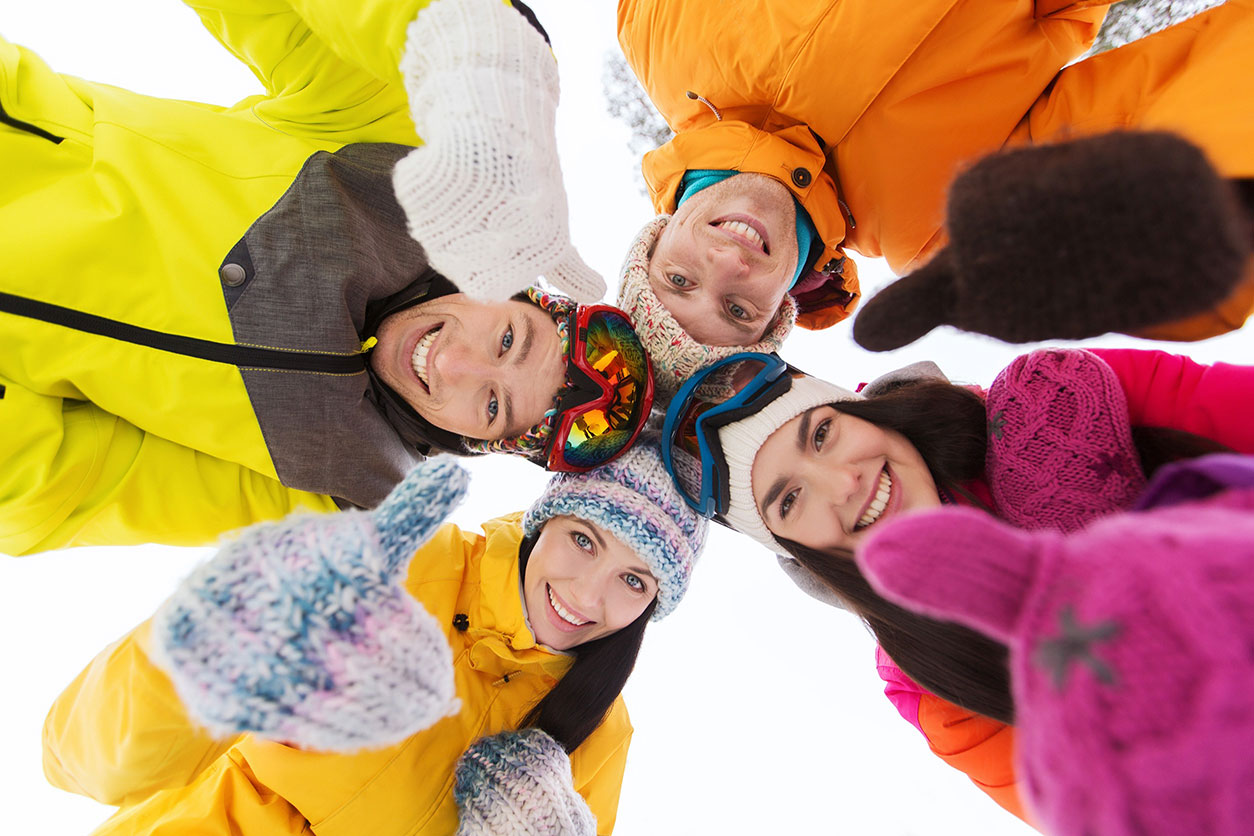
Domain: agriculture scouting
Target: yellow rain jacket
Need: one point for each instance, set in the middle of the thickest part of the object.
(119, 734)
(867, 110)
(134, 209)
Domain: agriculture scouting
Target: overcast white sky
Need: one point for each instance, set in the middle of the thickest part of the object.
(756, 709)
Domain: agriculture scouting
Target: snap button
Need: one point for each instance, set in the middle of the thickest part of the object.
(801, 177)
(233, 275)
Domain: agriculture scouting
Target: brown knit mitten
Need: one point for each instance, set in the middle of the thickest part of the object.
(1117, 232)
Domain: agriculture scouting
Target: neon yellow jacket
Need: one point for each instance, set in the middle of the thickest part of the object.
(124, 206)
(119, 733)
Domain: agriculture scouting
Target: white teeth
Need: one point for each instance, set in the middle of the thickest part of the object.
(419, 360)
(882, 491)
(567, 615)
(743, 229)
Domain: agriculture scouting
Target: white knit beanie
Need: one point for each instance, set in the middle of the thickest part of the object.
(742, 440)
(675, 355)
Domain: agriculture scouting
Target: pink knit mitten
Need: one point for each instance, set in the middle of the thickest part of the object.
(1060, 449)
(1130, 654)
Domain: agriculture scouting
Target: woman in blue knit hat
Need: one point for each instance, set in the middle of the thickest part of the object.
(325, 673)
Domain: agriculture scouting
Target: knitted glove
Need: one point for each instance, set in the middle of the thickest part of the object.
(1060, 449)
(1129, 654)
(299, 631)
(1118, 232)
(519, 784)
(484, 195)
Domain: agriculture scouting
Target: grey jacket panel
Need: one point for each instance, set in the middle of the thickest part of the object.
(303, 278)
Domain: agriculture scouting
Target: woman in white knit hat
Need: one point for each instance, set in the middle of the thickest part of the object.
(812, 470)
(324, 673)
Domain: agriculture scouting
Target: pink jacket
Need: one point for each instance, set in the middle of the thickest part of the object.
(1162, 390)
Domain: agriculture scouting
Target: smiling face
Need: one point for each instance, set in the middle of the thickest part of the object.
(484, 370)
(582, 583)
(724, 261)
(824, 478)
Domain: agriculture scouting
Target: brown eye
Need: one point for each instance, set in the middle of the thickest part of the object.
(785, 504)
(820, 434)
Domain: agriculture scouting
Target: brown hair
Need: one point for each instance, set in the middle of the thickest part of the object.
(947, 425)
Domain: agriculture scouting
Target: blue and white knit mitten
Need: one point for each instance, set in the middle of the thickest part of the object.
(519, 784)
(300, 630)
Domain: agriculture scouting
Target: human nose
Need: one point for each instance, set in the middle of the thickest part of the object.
(841, 485)
(725, 261)
(463, 362)
(588, 591)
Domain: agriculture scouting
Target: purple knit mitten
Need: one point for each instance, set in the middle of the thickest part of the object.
(300, 630)
(1060, 449)
(1130, 654)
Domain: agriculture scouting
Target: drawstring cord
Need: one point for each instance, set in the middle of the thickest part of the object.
(705, 102)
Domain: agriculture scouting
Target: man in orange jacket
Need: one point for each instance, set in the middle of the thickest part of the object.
(853, 117)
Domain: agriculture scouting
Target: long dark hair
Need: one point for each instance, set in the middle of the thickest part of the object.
(947, 425)
(581, 699)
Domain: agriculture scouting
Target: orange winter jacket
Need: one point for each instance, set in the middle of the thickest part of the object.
(866, 109)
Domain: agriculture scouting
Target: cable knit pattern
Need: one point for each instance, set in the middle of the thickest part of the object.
(1129, 652)
(634, 499)
(519, 784)
(675, 355)
(1060, 449)
(299, 630)
(484, 195)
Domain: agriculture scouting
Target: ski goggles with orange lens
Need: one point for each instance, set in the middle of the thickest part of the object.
(718, 395)
(608, 394)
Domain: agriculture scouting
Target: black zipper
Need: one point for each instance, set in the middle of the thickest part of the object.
(28, 127)
(244, 356)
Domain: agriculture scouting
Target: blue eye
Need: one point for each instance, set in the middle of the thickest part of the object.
(582, 540)
(677, 280)
(493, 408)
(635, 583)
(507, 340)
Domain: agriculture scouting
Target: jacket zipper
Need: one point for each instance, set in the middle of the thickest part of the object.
(244, 356)
(11, 121)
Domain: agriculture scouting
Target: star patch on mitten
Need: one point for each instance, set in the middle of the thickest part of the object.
(1130, 649)
(300, 630)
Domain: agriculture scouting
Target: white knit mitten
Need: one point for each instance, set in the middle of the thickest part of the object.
(484, 195)
(300, 630)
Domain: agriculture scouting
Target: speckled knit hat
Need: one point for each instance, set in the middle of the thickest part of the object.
(674, 353)
(634, 499)
(519, 784)
(742, 440)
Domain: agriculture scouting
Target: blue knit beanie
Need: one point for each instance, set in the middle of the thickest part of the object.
(634, 499)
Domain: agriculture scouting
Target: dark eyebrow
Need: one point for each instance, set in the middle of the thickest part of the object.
(803, 435)
(773, 494)
(803, 431)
